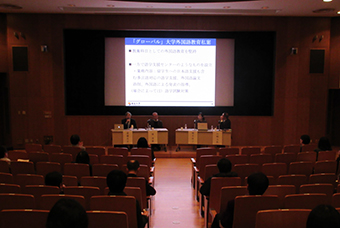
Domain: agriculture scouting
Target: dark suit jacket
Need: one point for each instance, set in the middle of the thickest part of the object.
(155, 124)
(128, 125)
(205, 189)
(225, 124)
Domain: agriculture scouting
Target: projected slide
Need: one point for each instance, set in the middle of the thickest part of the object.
(170, 72)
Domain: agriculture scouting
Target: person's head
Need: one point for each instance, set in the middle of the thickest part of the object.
(305, 139)
(116, 180)
(257, 183)
(132, 165)
(324, 144)
(200, 116)
(128, 115)
(75, 139)
(54, 179)
(142, 143)
(224, 116)
(224, 165)
(323, 216)
(155, 115)
(67, 213)
(83, 157)
(3, 152)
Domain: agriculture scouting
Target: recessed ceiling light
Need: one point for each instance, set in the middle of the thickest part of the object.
(110, 5)
(71, 5)
(226, 7)
(265, 7)
(327, 0)
(338, 12)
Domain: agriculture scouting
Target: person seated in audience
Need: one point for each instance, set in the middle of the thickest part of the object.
(224, 166)
(55, 179)
(75, 141)
(128, 121)
(154, 122)
(323, 216)
(67, 213)
(143, 143)
(4, 155)
(257, 185)
(304, 140)
(200, 119)
(323, 145)
(84, 158)
(133, 167)
(224, 122)
(116, 181)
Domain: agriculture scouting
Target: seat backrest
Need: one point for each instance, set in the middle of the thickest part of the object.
(292, 148)
(94, 159)
(238, 158)
(6, 178)
(98, 150)
(52, 148)
(282, 218)
(105, 219)
(204, 151)
(309, 147)
(16, 201)
(119, 151)
(329, 178)
(142, 159)
(293, 179)
(33, 147)
(207, 160)
(141, 151)
(94, 181)
(9, 188)
(306, 156)
(103, 169)
(44, 168)
(24, 218)
(22, 167)
(140, 183)
(86, 191)
(246, 208)
(305, 201)
(61, 158)
(244, 170)
(17, 154)
(217, 183)
(126, 204)
(4, 167)
(47, 201)
(274, 169)
(272, 150)
(327, 155)
(210, 170)
(135, 192)
(29, 179)
(281, 191)
(113, 159)
(302, 167)
(69, 180)
(224, 151)
(248, 150)
(327, 189)
(229, 193)
(325, 166)
(285, 158)
(38, 190)
(36, 156)
(260, 159)
(336, 200)
(77, 169)
(73, 150)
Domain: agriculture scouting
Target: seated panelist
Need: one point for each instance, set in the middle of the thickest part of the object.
(200, 119)
(224, 122)
(128, 121)
(154, 121)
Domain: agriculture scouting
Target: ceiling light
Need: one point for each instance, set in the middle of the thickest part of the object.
(226, 7)
(110, 5)
(71, 5)
(338, 12)
(327, 0)
(265, 7)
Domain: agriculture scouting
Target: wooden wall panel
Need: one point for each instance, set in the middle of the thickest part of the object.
(334, 77)
(3, 43)
(300, 98)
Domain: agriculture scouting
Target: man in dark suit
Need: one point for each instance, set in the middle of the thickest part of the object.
(154, 121)
(128, 121)
(224, 122)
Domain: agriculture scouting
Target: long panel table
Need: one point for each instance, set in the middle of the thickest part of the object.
(205, 137)
(131, 136)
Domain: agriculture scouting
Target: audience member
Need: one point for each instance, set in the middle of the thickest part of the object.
(224, 166)
(323, 216)
(128, 121)
(4, 155)
(154, 121)
(67, 213)
(55, 179)
(304, 140)
(75, 141)
(84, 158)
(257, 185)
(323, 145)
(224, 122)
(143, 143)
(200, 119)
(116, 181)
(133, 167)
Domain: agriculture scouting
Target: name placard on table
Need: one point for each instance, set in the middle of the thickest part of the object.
(131, 136)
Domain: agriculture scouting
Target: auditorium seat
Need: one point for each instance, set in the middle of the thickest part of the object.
(325, 166)
(244, 170)
(94, 159)
(141, 151)
(27, 218)
(306, 156)
(327, 155)
(246, 208)
(126, 204)
(113, 159)
(4, 167)
(98, 150)
(118, 151)
(16, 201)
(293, 179)
(105, 218)
(103, 169)
(144, 171)
(248, 150)
(238, 158)
(210, 170)
(274, 149)
(44, 168)
(327, 178)
(29, 147)
(73, 150)
(47, 201)
(6, 178)
(94, 181)
(305, 201)
(36, 156)
(22, 167)
(135, 192)
(70, 180)
(292, 148)
(77, 169)
(142, 159)
(224, 151)
(52, 148)
(229, 193)
(29, 179)
(336, 200)
(274, 170)
(260, 159)
(86, 191)
(61, 158)
(282, 218)
(17, 154)
(140, 183)
(309, 147)
(301, 167)
(9, 188)
(281, 191)
(327, 189)
(285, 158)
(38, 190)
